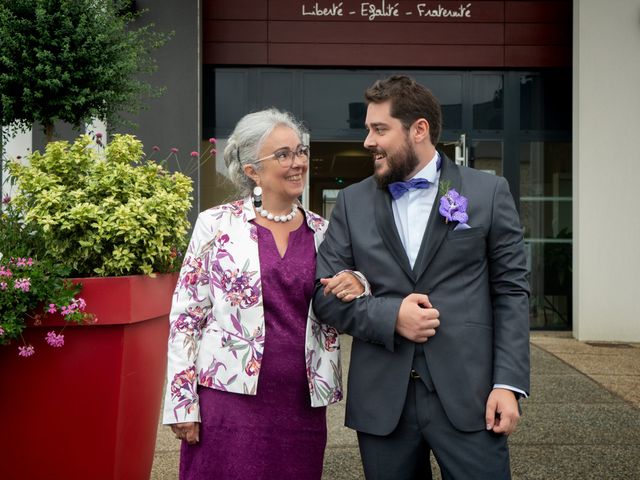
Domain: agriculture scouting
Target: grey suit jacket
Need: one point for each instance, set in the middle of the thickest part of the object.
(475, 277)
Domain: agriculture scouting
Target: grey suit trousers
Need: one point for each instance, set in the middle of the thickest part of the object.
(424, 427)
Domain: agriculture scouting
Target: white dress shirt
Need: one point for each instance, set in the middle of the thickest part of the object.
(411, 211)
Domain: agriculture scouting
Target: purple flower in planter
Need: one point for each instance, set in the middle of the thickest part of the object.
(52, 308)
(453, 207)
(55, 340)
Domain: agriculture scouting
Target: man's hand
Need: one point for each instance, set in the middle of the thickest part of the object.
(502, 411)
(189, 431)
(345, 286)
(417, 319)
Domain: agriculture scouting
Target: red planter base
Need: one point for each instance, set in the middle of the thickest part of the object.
(90, 409)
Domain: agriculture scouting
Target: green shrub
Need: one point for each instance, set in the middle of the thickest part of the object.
(108, 211)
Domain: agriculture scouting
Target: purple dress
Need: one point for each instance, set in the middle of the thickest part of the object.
(275, 433)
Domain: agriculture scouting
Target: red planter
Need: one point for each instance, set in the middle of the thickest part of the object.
(90, 409)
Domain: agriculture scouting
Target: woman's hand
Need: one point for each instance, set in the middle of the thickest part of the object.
(345, 286)
(189, 431)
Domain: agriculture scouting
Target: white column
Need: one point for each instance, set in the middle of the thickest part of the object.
(606, 170)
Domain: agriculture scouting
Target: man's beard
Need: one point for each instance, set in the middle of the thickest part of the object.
(400, 165)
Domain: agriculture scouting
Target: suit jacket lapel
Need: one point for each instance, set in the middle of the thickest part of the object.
(388, 231)
(436, 227)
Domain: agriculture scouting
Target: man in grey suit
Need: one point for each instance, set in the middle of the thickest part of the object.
(440, 351)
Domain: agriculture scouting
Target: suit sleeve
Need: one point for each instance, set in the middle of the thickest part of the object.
(509, 292)
(369, 318)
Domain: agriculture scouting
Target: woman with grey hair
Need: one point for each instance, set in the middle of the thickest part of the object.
(250, 369)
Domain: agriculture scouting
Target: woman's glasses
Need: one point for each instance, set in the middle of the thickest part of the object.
(285, 156)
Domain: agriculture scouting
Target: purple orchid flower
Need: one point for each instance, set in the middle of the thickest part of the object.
(453, 207)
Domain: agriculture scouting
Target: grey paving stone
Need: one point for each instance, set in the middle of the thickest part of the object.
(554, 424)
(568, 388)
(575, 462)
(547, 364)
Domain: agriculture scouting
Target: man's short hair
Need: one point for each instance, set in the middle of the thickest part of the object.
(409, 102)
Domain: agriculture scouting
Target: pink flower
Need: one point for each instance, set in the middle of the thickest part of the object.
(3, 285)
(156, 148)
(194, 154)
(22, 284)
(174, 150)
(6, 199)
(26, 351)
(80, 304)
(55, 340)
(214, 151)
(21, 262)
(98, 135)
(5, 272)
(1, 331)
(29, 262)
(52, 308)
(213, 141)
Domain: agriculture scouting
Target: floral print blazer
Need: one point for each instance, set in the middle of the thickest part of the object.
(216, 336)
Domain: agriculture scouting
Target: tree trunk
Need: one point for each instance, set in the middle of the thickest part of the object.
(48, 132)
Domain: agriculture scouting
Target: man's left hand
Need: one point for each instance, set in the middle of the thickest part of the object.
(502, 413)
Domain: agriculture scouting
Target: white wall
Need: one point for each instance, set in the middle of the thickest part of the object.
(606, 170)
(18, 145)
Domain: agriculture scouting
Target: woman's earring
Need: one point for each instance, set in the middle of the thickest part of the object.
(257, 197)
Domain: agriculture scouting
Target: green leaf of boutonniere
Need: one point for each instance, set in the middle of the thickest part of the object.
(444, 187)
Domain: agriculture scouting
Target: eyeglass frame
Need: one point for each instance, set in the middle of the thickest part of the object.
(300, 151)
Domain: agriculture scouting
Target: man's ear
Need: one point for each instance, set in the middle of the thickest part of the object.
(421, 130)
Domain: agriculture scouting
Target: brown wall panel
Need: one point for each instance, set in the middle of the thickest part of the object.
(558, 11)
(510, 34)
(380, 33)
(537, 34)
(537, 56)
(235, 9)
(235, 54)
(356, 10)
(235, 31)
(386, 55)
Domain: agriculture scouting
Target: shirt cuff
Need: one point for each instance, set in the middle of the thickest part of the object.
(522, 393)
(361, 278)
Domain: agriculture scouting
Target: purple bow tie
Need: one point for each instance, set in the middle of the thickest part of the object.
(398, 189)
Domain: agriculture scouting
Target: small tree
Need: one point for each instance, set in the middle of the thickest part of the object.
(72, 60)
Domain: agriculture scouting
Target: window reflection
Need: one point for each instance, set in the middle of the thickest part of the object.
(487, 99)
(545, 101)
(448, 90)
(546, 215)
(333, 100)
(487, 156)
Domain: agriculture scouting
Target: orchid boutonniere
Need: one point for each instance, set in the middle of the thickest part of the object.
(453, 206)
